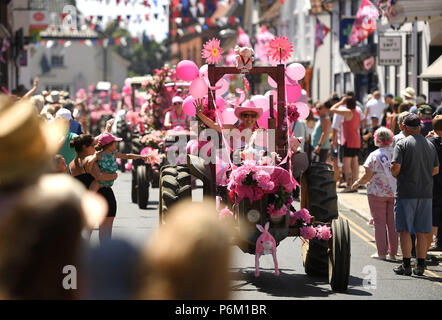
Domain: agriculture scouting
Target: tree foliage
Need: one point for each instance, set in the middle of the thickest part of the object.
(144, 56)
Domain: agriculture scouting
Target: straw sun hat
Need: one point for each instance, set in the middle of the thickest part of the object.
(27, 142)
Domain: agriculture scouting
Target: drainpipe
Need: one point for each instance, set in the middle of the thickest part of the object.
(414, 49)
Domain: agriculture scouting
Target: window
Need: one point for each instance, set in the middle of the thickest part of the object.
(337, 87)
(354, 7)
(347, 82)
(57, 61)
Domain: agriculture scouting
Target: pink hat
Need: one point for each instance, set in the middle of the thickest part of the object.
(177, 99)
(106, 138)
(248, 106)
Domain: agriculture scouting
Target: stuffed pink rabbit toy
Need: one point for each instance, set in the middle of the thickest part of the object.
(265, 244)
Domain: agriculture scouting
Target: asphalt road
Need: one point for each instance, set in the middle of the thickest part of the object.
(137, 226)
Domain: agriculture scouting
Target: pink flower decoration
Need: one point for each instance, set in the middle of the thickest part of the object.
(324, 233)
(292, 113)
(308, 232)
(154, 157)
(280, 49)
(271, 210)
(225, 213)
(303, 215)
(212, 51)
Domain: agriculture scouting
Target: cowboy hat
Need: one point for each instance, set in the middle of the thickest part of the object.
(27, 142)
(248, 106)
(409, 93)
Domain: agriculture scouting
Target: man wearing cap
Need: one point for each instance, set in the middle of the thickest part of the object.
(425, 114)
(66, 151)
(414, 164)
(176, 117)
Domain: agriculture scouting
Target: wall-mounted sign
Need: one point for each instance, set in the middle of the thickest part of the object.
(390, 51)
(345, 27)
(38, 21)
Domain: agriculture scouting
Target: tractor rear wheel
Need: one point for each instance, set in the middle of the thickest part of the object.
(323, 205)
(143, 187)
(339, 257)
(174, 187)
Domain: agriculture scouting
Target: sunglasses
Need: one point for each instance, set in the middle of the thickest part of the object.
(249, 115)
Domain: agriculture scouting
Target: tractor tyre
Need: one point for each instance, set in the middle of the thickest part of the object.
(133, 193)
(323, 205)
(168, 195)
(339, 257)
(143, 187)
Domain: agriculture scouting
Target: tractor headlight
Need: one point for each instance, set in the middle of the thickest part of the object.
(253, 216)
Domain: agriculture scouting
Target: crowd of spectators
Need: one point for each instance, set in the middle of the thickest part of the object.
(397, 142)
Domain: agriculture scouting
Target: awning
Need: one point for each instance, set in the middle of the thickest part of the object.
(409, 10)
(433, 71)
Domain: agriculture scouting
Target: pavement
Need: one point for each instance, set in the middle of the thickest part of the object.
(355, 202)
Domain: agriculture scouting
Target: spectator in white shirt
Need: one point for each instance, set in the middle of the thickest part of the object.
(375, 107)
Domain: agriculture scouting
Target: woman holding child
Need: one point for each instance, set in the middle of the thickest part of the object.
(96, 172)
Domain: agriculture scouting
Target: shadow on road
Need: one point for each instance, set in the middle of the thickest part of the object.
(290, 285)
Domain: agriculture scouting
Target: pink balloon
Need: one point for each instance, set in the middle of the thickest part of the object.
(260, 101)
(220, 103)
(127, 90)
(187, 70)
(288, 80)
(128, 100)
(204, 71)
(188, 107)
(293, 92)
(224, 86)
(228, 116)
(302, 109)
(198, 88)
(295, 71)
(263, 120)
(271, 82)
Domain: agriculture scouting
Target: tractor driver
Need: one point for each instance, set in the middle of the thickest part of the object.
(176, 117)
(248, 115)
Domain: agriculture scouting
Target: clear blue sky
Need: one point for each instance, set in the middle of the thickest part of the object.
(158, 27)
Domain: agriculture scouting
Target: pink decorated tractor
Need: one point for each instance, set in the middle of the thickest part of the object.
(256, 195)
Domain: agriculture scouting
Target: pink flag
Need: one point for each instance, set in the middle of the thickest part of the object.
(365, 22)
